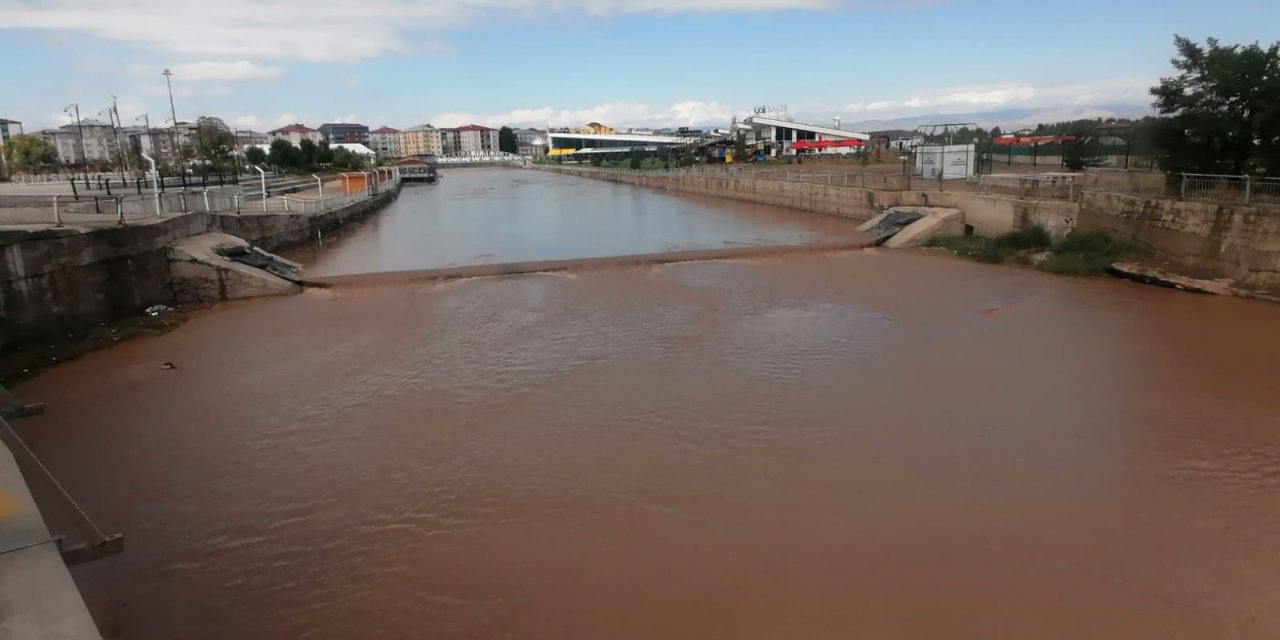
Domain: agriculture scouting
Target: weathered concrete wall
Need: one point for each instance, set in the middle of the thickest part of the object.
(1224, 240)
(56, 282)
(988, 214)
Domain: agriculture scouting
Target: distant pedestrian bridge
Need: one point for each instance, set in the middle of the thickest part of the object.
(480, 159)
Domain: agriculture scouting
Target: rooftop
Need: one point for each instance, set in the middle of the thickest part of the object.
(8, 121)
(293, 128)
(386, 130)
(471, 127)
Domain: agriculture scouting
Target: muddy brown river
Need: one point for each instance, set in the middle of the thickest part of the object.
(859, 444)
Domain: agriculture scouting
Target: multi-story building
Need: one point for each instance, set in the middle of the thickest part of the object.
(345, 132)
(531, 143)
(9, 129)
(385, 142)
(247, 137)
(469, 140)
(155, 143)
(89, 141)
(296, 133)
(422, 140)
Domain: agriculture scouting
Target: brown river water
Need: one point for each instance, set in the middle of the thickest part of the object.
(861, 444)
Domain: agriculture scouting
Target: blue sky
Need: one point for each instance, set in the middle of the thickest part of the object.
(262, 63)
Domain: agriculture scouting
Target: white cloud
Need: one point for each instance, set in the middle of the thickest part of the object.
(219, 71)
(331, 31)
(1128, 90)
(619, 114)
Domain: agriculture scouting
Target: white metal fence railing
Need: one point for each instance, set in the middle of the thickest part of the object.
(121, 209)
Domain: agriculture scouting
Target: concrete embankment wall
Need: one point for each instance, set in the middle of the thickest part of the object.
(987, 214)
(55, 282)
(1238, 242)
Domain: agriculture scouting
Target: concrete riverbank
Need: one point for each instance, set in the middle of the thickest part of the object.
(56, 282)
(1235, 243)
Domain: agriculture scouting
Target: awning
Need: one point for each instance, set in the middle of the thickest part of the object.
(801, 145)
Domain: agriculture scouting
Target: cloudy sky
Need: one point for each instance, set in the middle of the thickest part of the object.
(264, 63)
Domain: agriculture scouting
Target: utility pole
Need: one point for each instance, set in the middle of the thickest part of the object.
(84, 157)
(182, 165)
(113, 117)
(119, 125)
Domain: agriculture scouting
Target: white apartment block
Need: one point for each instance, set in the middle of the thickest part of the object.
(99, 146)
(469, 140)
(296, 133)
(386, 142)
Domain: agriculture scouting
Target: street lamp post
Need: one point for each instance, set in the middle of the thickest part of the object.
(182, 165)
(115, 135)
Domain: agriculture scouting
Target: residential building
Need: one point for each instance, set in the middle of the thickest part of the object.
(89, 141)
(422, 140)
(385, 142)
(155, 143)
(469, 140)
(296, 133)
(336, 132)
(531, 143)
(8, 129)
(247, 137)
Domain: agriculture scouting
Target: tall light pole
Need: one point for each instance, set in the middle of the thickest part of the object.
(151, 144)
(84, 157)
(182, 165)
(115, 135)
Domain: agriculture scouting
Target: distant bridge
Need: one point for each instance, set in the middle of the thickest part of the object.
(492, 158)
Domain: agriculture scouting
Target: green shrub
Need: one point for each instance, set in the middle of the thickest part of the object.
(1076, 264)
(1032, 239)
(1089, 254)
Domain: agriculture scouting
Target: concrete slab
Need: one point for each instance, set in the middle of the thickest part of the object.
(937, 222)
(38, 599)
(200, 271)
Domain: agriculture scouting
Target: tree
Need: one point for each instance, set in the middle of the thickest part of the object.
(324, 155)
(308, 151)
(507, 140)
(215, 143)
(1084, 151)
(1222, 108)
(996, 132)
(27, 153)
(255, 155)
(637, 159)
(282, 154)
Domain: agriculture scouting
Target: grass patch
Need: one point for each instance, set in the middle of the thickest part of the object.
(1089, 254)
(1085, 254)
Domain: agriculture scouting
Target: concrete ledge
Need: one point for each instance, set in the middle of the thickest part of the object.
(38, 599)
(200, 271)
(936, 222)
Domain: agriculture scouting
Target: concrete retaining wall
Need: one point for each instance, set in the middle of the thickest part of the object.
(59, 282)
(1223, 240)
(987, 214)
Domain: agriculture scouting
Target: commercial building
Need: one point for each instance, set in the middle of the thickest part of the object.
(8, 129)
(336, 132)
(99, 144)
(296, 133)
(566, 142)
(422, 140)
(531, 143)
(385, 142)
(776, 135)
(469, 140)
(896, 139)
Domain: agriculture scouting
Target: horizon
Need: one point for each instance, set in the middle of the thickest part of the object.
(562, 63)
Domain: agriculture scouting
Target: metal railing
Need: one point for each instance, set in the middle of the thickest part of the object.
(60, 210)
(1195, 187)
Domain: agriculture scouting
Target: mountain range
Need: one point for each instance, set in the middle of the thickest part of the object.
(1006, 119)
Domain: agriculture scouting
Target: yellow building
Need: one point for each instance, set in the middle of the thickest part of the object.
(594, 127)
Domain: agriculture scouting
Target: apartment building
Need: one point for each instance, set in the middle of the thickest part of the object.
(296, 133)
(99, 142)
(9, 129)
(422, 140)
(385, 142)
(345, 133)
(469, 140)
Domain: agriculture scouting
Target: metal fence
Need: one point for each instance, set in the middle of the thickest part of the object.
(1195, 187)
(122, 209)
